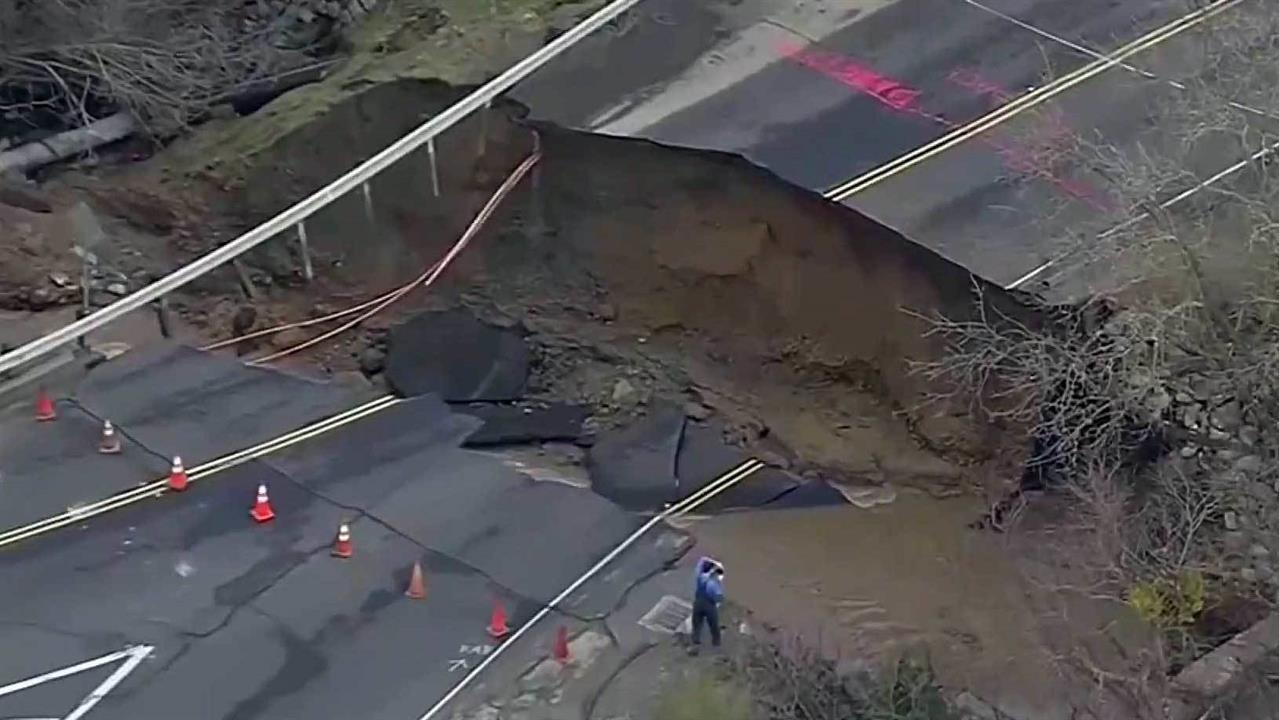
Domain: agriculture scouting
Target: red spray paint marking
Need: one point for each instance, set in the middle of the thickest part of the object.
(899, 97)
(855, 75)
(1051, 129)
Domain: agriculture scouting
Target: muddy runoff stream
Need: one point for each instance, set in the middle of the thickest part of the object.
(910, 577)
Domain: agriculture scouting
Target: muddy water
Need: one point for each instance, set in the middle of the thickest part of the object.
(872, 583)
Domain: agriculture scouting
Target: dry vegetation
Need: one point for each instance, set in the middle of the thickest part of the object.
(64, 63)
(1153, 400)
(785, 679)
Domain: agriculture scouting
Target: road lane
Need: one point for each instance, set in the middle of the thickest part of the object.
(258, 620)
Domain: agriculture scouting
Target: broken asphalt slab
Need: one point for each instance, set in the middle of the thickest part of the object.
(663, 458)
(176, 400)
(457, 357)
(466, 505)
(163, 401)
(522, 423)
(634, 466)
(48, 467)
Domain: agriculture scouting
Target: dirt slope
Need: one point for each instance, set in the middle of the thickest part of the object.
(701, 275)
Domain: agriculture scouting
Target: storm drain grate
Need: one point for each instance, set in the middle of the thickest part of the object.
(669, 616)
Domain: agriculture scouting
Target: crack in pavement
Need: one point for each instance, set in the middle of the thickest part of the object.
(361, 512)
(94, 636)
(75, 402)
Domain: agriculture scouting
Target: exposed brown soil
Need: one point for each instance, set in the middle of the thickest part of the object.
(696, 277)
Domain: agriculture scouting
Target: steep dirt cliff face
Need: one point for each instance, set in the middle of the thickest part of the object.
(761, 300)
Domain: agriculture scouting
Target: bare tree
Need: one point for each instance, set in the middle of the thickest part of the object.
(165, 61)
(1152, 393)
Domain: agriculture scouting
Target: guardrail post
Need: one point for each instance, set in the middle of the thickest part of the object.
(162, 316)
(307, 271)
(367, 191)
(435, 173)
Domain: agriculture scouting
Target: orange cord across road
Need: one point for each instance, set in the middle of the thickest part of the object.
(426, 279)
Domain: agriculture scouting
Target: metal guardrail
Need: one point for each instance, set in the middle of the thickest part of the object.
(323, 197)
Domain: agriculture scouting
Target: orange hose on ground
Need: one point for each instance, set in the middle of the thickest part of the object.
(426, 279)
(300, 324)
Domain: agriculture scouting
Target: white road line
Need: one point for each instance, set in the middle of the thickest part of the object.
(1094, 54)
(730, 478)
(137, 652)
(1259, 155)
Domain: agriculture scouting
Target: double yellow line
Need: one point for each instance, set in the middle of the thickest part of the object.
(226, 462)
(1027, 101)
(715, 487)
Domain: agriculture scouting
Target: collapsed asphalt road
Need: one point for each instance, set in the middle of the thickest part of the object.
(164, 401)
(825, 92)
(229, 618)
(250, 620)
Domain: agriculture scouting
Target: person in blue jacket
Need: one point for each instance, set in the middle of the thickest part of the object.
(707, 596)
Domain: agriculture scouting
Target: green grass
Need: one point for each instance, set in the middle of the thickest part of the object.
(460, 42)
(705, 697)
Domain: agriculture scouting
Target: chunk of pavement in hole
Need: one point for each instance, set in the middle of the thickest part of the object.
(623, 390)
(1231, 519)
(697, 411)
(372, 360)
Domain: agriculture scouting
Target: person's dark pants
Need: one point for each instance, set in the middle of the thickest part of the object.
(705, 611)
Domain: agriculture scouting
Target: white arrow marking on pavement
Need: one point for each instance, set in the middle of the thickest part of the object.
(458, 664)
(132, 657)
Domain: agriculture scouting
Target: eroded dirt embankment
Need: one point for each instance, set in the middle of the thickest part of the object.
(694, 275)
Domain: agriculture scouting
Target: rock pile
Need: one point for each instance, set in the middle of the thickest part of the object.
(1223, 442)
(298, 23)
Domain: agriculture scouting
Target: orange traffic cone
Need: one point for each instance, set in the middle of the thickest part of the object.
(498, 628)
(417, 584)
(178, 476)
(342, 547)
(559, 650)
(262, 511)
(110, 444)
(45, 410)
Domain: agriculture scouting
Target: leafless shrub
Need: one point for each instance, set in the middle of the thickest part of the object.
(792, 680)
(1186, 243)
(167, 61)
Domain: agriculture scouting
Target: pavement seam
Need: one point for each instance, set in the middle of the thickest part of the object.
(588, 705)
(73, 401)
(59, 631)
(248, 601)
(387, 525)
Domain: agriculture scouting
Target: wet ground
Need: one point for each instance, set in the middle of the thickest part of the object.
(911, 577)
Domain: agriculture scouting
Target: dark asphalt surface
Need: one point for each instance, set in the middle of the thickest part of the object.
(258, 621)
(163, 401)
(821, 110)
